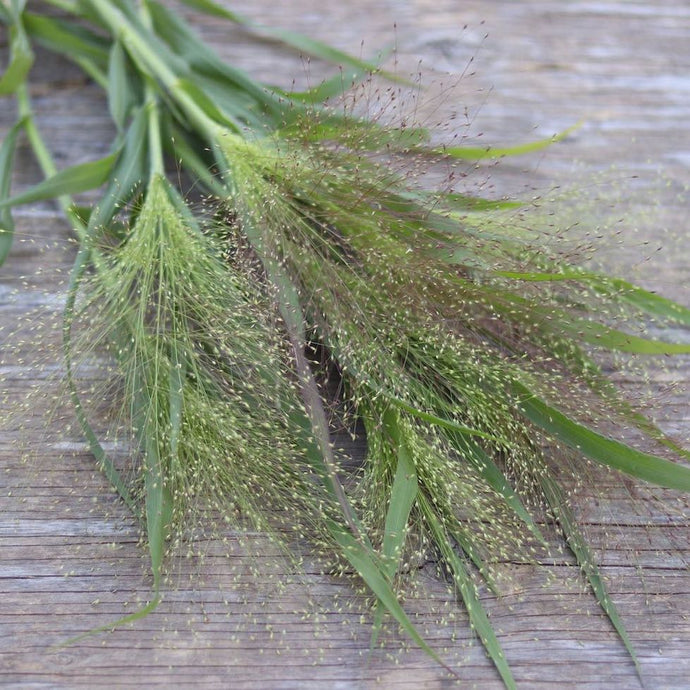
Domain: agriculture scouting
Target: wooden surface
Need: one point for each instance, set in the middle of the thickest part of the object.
(70, 557)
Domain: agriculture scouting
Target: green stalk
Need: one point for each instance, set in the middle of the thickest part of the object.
(45, 159)
(156, 162)
(154, 129)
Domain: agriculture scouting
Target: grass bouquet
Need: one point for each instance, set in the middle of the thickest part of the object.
(317, 279)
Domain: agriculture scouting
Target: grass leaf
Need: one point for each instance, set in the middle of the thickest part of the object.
(601, 448)
(121, 85)
(215, 10)
(176, 398)
(230, 88)
(7, 150)
(109, 627)
(288, 302)
(361, 560)
(67, 38)
(647, 302)
(337, 85)
(21, 55)
(613, 339)
(480, 621)
(73, 180)
(465, 202)
(403, 495)
(127, 175)
(402, 499)
(475, 153)
(157, 494)
(190, 156)
(585, 558)
(475, 454)
(443, 422)
(210, 108)
(290, 39)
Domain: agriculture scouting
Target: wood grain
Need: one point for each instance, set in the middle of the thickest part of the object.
(70, 557)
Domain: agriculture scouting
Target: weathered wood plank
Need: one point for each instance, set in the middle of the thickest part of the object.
(70, 558)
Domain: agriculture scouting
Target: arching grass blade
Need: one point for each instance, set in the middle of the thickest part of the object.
(585, 558)
(463, 581)
(600, 448)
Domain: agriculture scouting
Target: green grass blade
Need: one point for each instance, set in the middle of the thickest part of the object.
(127, 175)
(121, 85)
(16, 7)
(361, 560)
(442, 422)
(493, 476)
(73, 180)
(158, 500)
(403, 494)
(237, 104)
(329, 88)
(66, 38)
(601, 448)
(647, 302)
(7, 150)
(402, 499)
(611, 338)
(465, 541)
(188, 155)
(21, 55)
(465, 202)
(455, 201)
(478, 617)
(475, 153)
(539, 277)
(648, 427)
(215, 10)
(290, 309)
(584, 330)
(585, 559)
(125, 620)
(150, 55)
(290, 39)
(362, 136)
(313, 456)
(322, 51)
